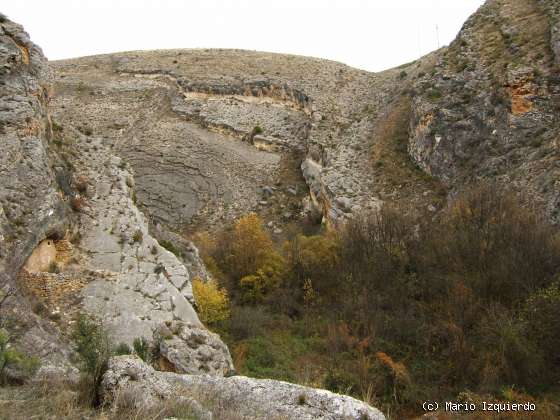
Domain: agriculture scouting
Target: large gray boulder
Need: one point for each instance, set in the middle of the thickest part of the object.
(247, 398)
(189, 348)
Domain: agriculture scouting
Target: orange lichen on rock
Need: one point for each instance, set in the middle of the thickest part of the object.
(24, 53)
(520, 102)
(521, 90)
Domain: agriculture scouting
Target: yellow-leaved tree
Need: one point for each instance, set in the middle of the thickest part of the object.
(253, 259)
(251, 246)
(212, 301)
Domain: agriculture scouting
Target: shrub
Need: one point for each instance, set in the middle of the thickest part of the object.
(122, 349)
(170, 247)
(542, 315)
(248, 321)
(251, 246)
(93, 348)
(211, 300)
(11, 358)
(81, 185)
(53, 267)
(77, 203)
(314, 259)
(253, 288)
(138, 236)
(434, 94)
(397, 376)
(258, 130)
(340, 381)
(504, 355)
(506, 250)
(142, 349)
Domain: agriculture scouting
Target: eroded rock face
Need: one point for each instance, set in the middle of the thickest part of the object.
(192, 349)
(29, 203)
(247, 398)
(206, 130)
(30, 207)
(553, 12)
(489, 109)
(119, 273)
(139, 284)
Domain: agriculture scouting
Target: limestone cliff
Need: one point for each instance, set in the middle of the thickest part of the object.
(106, 173)
(31, 207)
(489, 107)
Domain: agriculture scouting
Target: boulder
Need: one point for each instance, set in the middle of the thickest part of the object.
(129, 381)
(190, 348)
(220, 397)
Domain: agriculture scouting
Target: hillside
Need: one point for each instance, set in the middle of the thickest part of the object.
(329, 223)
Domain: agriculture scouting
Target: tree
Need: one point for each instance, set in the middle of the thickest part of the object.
(251, 246)
(211, 300)
(94, 349)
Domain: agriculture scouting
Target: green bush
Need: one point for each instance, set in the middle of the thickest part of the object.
(93, 348)
(122, 349)
(434, 94)
(142, 349)
(11, 358)
(53, 267)
(138, 236)
(542, 315)
(170, 247)
(340, 381)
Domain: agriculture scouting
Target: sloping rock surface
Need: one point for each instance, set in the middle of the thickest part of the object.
(247, 398)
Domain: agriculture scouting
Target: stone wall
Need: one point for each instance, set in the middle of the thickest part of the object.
(50, 288)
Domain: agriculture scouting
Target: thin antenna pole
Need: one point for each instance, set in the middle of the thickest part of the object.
(437, 36)
(419, 48)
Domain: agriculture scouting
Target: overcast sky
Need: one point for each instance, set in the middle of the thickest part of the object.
(368, 34)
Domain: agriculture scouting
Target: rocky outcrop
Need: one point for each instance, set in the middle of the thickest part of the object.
(189, 348)
(553, 11)
(222, 124)
(31, 208)
(489, 108)
(245, 397)
(58, 181)
(139, 284)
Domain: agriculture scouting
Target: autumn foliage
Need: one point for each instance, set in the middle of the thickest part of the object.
(212, 301)
(399, 306)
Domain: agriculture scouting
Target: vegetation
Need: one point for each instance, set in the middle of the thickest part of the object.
(138, 236)
(170, 247)
(212, 301)
(53, 267)
(11, 358)
(93, 348)
(400, 307)
(122, 349)
(142, 349)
